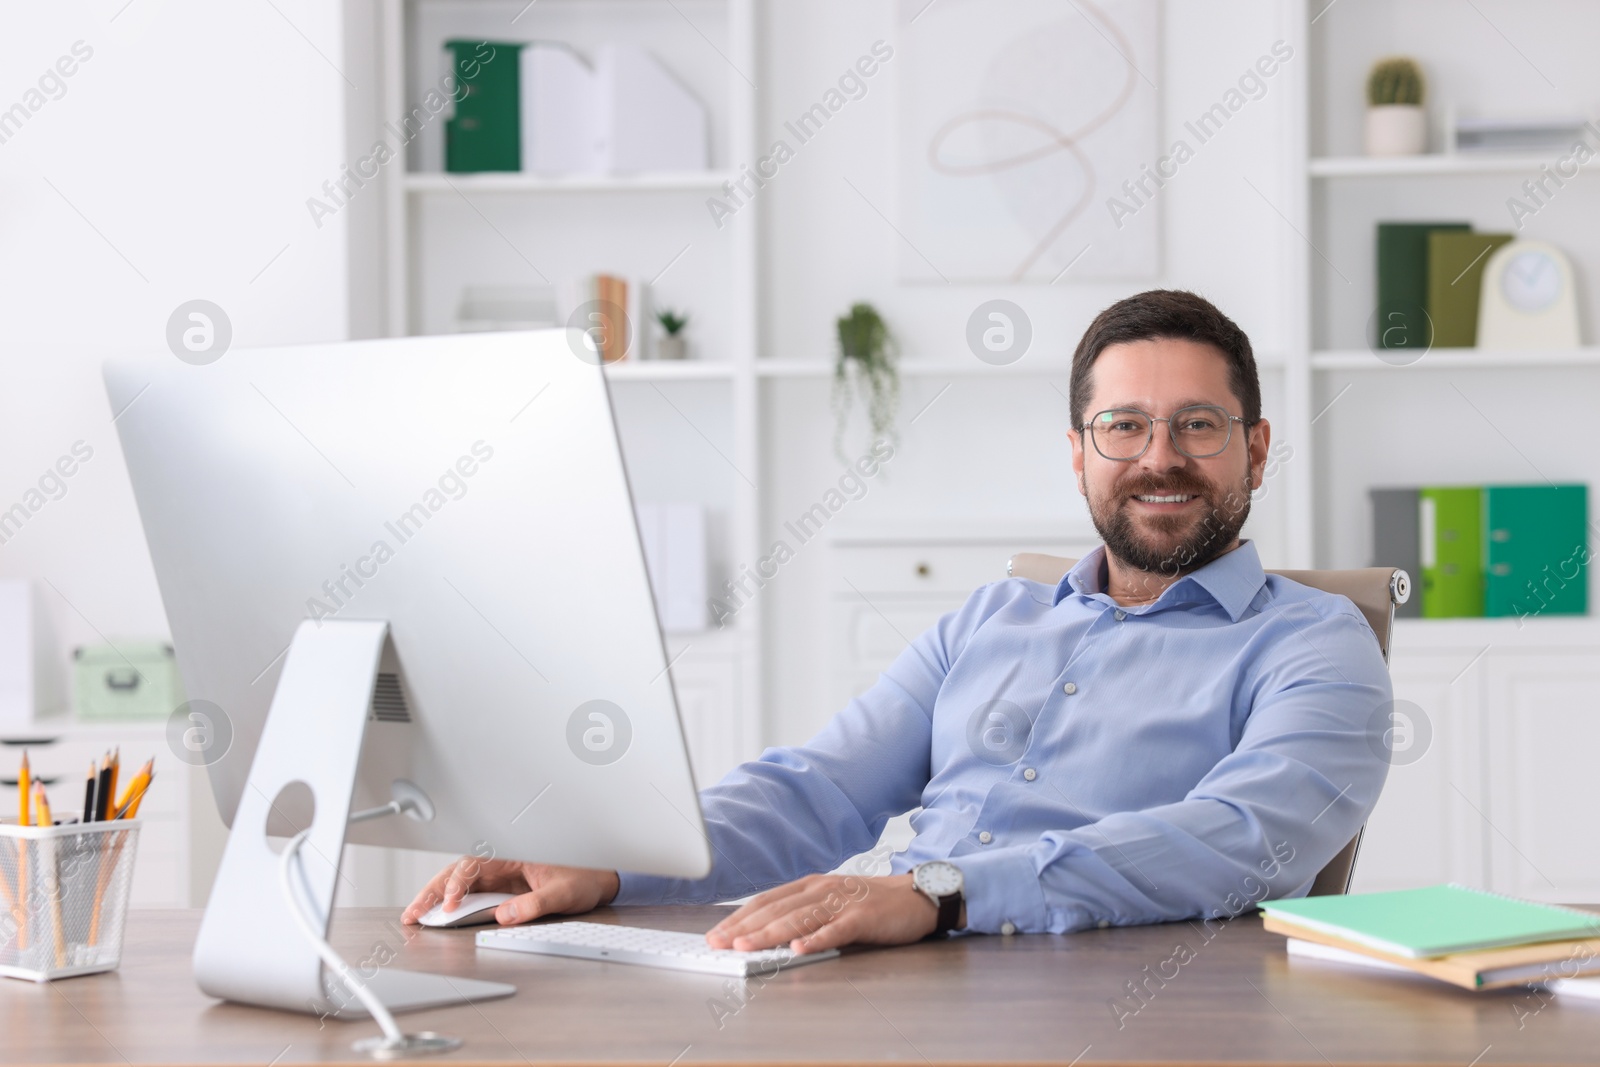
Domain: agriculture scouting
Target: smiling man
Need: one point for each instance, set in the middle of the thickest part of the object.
(1166, 733)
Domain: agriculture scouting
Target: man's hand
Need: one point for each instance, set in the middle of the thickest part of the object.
(824, 911)
(543, 890)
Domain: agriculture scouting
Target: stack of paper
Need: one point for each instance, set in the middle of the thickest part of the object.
(1467, 937)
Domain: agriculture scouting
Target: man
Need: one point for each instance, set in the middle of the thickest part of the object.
(1167, 733)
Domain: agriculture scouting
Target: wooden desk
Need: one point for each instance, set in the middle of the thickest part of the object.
(975, 999)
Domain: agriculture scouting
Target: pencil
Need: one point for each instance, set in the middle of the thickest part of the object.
(50, 862)
(133, 812)
(102, 790)
(24, 784)
(41, 806)
(116, 768)
(135, 789)
(89, 802)
(25, 818)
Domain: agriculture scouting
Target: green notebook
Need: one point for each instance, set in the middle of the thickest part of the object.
(1455, 278)
(1536, 550)
(1451, 522)
(1440, 920)
(1401, 321)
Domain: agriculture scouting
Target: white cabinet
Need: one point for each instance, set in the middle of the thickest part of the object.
(1500, 797)
(1426, 829)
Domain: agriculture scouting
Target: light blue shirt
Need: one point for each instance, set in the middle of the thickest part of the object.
(1082, 763)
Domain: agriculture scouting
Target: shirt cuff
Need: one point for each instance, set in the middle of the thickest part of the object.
(1002, 892)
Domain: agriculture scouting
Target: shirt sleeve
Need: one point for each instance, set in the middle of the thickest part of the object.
(800, 810)
(1304, 777)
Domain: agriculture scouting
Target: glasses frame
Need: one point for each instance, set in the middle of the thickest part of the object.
(1150, 437)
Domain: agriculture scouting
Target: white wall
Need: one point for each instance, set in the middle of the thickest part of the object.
(175, 166)
(989, 450)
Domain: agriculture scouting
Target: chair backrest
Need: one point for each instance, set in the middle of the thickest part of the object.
(1375, 590)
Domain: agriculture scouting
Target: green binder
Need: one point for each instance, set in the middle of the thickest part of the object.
(1403, 283)
(1536, 550)
(485, 133)
(1440, 920)
(1455, 278)
(1451, 520)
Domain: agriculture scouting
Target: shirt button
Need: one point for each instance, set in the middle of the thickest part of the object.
(1070, 688)
(1104, 923)
(1030, 774)
(1120, 615)
(985, 837)
(1008, 928)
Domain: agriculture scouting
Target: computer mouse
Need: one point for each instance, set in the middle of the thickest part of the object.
(475, 909)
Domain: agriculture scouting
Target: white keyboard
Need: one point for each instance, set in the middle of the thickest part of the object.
(649, 948)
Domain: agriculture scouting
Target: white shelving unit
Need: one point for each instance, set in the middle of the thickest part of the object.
(444, 231)
(1498, 705)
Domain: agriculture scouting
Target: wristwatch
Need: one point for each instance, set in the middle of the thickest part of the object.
(941, 883)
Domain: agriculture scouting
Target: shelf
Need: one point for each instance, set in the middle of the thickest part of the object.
(1434, 163)
(1536, 633)
(662, 370)
(517, 182)
(945, 368)
(1460, 359)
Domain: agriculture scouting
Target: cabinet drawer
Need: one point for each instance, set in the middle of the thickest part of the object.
(931, 568)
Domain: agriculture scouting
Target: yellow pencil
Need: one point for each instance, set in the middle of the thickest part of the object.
(25, 818)
(135, 789)
(24, 784)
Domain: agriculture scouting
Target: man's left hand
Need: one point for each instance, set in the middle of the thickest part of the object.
(823, 911)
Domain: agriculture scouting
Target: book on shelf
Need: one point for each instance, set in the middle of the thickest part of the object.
(482, 131)
(1455, 281)
(1397, 539)
(1536, 550)
(1450, 520)
(1402, 318)
(611, 310)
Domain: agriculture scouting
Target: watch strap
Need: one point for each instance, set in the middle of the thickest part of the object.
(949, 913)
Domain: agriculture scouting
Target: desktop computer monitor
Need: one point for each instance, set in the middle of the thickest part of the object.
(404, 569)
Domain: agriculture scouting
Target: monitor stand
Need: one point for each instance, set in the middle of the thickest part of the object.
(250, 949)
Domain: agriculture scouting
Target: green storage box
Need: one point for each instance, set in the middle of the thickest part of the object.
(131, 680)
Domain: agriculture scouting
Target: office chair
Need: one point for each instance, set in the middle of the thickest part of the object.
(1375, 590)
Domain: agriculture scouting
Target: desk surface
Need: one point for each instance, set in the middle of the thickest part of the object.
(1233, 996)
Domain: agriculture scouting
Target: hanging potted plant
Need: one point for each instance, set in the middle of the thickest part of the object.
(1397, 123)
(673, 344)
(865, 365)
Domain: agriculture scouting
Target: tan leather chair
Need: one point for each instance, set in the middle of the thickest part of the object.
(1375, 590)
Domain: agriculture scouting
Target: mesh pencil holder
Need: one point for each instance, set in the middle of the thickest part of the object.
(64, 897)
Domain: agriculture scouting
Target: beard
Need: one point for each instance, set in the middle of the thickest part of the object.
(1172, 544)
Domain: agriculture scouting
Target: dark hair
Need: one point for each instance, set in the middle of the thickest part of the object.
(1167, 313)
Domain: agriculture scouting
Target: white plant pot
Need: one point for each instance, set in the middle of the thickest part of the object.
(671, 347)
(1397, 130)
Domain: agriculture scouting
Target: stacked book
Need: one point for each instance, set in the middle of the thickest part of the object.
(1467, 937)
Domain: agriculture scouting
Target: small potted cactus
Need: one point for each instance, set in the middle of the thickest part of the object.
(1397, 124)
(673, 344)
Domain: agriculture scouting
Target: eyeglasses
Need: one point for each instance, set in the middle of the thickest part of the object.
(1123, 434)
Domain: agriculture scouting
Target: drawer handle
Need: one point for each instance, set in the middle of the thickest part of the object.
(117, 678)
(923, 570)
(12, 783)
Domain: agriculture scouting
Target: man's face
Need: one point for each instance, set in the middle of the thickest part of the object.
(1159, 377)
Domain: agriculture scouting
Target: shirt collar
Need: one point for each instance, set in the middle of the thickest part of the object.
(1232, 579)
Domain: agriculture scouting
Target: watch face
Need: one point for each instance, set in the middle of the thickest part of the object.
(938, 879)
(1531, 281)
